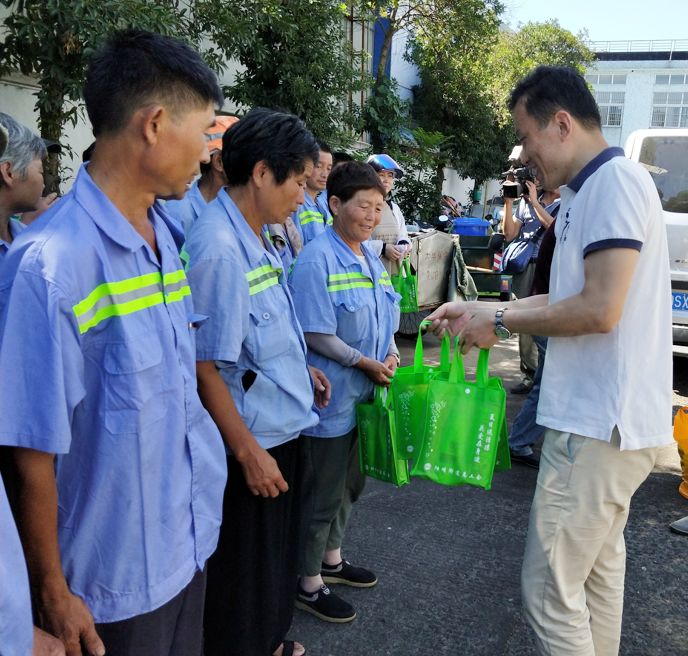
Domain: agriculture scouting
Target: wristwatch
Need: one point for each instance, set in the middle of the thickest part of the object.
(500, 329)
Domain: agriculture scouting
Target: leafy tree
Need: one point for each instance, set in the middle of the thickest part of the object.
(518, 52)
(52, 41)
(294, 56)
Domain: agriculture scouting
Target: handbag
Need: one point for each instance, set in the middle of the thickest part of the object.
(409, 390)
(465, 437)
(377, 444)
(406, 285)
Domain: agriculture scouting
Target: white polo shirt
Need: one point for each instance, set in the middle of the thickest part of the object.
(623, 378)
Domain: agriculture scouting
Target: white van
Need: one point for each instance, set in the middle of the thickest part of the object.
(664, 153)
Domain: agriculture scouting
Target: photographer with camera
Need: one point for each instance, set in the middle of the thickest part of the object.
(523, 230)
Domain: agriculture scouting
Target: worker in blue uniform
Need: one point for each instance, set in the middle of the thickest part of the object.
(254, 379)
(349, 312)
(188, 208)
(121, 468)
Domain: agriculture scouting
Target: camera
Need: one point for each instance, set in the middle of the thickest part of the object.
(515, 179)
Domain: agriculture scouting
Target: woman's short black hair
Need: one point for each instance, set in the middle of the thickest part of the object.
(548, 89)
(135, 68)
(279, 139)
(349, 177)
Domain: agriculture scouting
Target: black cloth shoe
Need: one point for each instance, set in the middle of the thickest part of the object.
(530, 460)
(325, 605)
(347, 574)
(523, 387)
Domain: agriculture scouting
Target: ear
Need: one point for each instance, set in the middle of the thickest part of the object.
(564, 123)
(260, 174)
(216, 162)
(6, 173)
(335, 204)
(153, 119)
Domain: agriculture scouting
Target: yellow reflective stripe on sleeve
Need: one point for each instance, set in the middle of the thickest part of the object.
(127, 296)
(262, 278)
(310, 216)
(367, 284)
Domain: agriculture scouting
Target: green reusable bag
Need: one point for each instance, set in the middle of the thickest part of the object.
(377, 445)
(406, 284)
(465, 428)
(409, 389)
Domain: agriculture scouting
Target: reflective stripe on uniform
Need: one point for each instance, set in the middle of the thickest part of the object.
(262, 278)
(310, 216)
(338, 282)
(123, 297)
(385, 279)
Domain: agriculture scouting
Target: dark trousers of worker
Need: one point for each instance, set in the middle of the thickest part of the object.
(253, 573)
(333, 484)
(174, 629)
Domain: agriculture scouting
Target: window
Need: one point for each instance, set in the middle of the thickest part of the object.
(606, 78)
(665, 159)
(670, 107)
(610, 104)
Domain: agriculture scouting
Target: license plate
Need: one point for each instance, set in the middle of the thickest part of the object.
(679, 302)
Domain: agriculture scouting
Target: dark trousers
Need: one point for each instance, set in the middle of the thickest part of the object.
(174, 629)
(252, 575)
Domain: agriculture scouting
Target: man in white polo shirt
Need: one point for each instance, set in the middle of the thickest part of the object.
(607, 315)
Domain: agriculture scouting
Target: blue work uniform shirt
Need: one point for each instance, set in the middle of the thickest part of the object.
(310, 219)
(252, 332)
(323, 206)
(186, 210)
(16, 625)
(98, 324)
(334, 296)
(16, 226)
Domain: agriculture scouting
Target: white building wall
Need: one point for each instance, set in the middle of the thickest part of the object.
(639, 90)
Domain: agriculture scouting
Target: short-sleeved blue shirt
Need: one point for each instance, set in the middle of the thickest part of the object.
(334, 296)
(16, 227)
(16, 625)
(252, 332)
(323, 206)
(97, 323)
(310, 219)
(186, 210)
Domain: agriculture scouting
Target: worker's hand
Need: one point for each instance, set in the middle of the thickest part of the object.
(379, 372)
(67, 617)
(46, 645)
(479, 331)
(261, 472)
(321, 386)
(394, 253)
(391, 363)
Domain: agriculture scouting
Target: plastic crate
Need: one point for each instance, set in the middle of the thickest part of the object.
(470, 225)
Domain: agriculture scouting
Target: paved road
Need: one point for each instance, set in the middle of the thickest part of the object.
(448, 560)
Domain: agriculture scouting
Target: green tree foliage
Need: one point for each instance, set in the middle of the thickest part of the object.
(294, 56)
(51, 40)
(518, 52)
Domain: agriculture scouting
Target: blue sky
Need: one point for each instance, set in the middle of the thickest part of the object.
(606, 20)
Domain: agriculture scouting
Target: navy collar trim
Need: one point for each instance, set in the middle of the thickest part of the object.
(593, 165)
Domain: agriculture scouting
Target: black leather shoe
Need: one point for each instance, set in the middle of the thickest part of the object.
(530, 460)
(325, 605)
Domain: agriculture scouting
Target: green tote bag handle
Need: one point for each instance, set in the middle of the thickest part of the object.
(457, 373)
(445, 350)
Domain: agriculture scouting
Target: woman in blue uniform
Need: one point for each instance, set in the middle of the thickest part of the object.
(349, 312)
(254, 380)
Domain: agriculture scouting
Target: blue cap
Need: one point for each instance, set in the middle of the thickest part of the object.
(383, 162)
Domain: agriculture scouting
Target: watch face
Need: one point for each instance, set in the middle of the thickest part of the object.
(502, 332)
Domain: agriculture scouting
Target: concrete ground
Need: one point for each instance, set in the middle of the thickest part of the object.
(448, 560)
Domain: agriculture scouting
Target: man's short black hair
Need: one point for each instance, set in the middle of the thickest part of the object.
(279, 139)
(324, 147)
(339, 156)
(548, 89)
(349, 177)
(136, 68)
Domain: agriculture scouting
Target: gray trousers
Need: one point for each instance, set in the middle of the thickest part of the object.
(332, 484)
